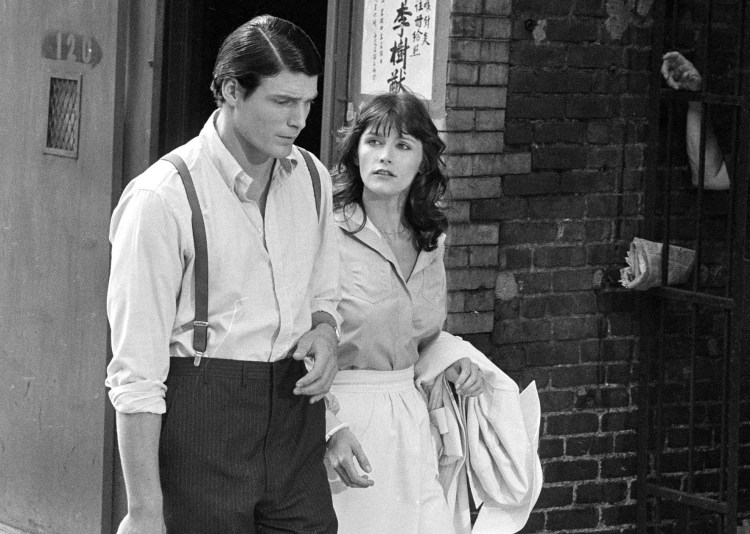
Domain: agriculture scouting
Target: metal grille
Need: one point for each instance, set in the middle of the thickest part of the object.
(64, 115)
(694, 337)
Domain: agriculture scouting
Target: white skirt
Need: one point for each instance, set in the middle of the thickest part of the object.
(389, 418)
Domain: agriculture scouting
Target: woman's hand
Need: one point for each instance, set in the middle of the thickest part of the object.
(679, 73)
(466, 376)
(341, 450)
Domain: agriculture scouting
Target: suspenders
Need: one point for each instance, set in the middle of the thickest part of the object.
(200, 323)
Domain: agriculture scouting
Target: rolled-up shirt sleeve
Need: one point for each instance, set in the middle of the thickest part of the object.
(145, 276)
(326, 292)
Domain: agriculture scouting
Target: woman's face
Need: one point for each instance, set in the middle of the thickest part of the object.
(388, 162)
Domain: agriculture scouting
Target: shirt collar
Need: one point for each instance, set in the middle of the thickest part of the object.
(350, 220)
(229, 169)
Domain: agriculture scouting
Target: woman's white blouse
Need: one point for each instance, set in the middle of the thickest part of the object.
(386, 318)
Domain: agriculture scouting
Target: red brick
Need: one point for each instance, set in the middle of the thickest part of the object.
(529, 283)
(588, 445)
(596, 56)
(490, 119)
(464, 50)
(576, 518)
(570, 470)
(493, 74)
(532, 184)
(536, 107)
(571, 231)
(474, 142)
(457, 166)
(466, 26)
(517, 133)
(555, 401)
(572, 30)
(527, 232)
(496, 28)
(471, 323)
(461, 279)
(459, 120)
(497, 7)
(573, 280)
(558, 157)
(555, 497)
(587, 182)
(547, 7)
(623, 514)
(517, 258)
(609, 492)
(466, 6)
(455, 301)
(572, 423)
(483, 256)
(469, 188)
(556, 132)
(559, 257)
(520, 330)
(480, 301)
(507, 309)
(604, 158)
(598, 230)
(571, 304)
(619, 467)
(458, 211)
(472, 234)
(575, 327)
(574, 376)
(590, 107)
(482, 97)
(494, 51)
(456, 257)
(619, 421)
(532, 308)
(498, 209)
(462, 73)
(554, 353)
(557, 207)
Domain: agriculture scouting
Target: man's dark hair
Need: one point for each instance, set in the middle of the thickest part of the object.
(263, 47)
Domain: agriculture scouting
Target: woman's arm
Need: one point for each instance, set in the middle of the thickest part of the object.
(679, 73)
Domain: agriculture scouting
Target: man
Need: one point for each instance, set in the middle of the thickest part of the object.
(240, 444)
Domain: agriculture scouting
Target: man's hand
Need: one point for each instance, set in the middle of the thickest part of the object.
(466, 376)
(320, 344)
(679, 73)
(149, 523)
(341, 450)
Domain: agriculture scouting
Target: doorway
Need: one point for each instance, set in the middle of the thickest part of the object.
(193, 34)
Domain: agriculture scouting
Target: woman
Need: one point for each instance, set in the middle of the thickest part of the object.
(391, 245)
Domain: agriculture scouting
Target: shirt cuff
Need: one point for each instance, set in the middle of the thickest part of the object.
(335, 429)
(137, 397)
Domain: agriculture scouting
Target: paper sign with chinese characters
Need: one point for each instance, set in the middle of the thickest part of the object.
(398, 46)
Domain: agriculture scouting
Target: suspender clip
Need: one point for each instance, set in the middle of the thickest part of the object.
(200, 340)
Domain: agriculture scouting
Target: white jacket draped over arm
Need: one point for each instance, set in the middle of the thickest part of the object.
(493, 437)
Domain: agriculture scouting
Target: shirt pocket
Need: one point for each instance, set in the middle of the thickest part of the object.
(433, 284)
(370, 282)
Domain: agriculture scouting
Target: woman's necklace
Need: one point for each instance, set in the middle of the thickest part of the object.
(401, 233)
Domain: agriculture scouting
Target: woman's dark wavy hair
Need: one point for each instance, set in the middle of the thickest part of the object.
(263, 47)
(408, 115)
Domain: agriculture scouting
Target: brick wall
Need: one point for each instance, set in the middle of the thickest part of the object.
(546, 132)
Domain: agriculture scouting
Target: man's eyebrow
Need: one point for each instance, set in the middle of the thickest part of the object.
(292, 97)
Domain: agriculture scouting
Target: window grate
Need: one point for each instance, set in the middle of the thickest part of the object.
(64, 116)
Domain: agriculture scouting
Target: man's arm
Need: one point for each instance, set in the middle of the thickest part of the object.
(321, 342)
(138, 438)
(145, 278)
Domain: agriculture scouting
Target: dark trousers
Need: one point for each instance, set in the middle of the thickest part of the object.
(239, 452)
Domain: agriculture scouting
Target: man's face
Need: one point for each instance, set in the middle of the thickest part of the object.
(267, 122)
